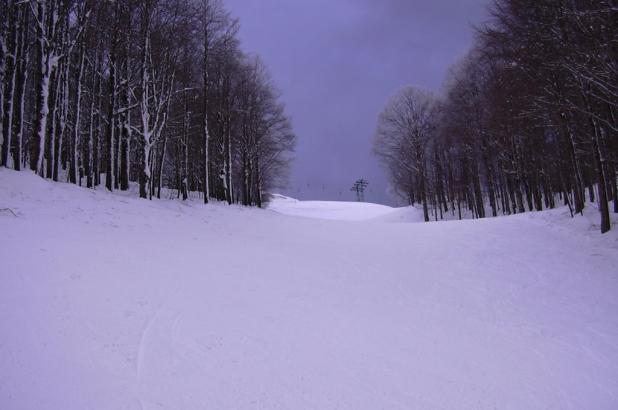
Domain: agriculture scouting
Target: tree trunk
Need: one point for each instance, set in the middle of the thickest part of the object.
(109, 136)
(423, 190)
(161, 164)
(9, 86)
(600, 165)
(44, 69)
(205, 117)
(62, 111)
(20, 88)
(258, 180)
(53, 122)
(228, 164)
(77, 118)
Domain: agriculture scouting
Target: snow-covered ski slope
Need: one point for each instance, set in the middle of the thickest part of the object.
(343, 211)
(111, 302)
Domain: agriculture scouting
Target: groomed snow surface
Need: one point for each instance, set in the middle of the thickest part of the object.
(111, 302)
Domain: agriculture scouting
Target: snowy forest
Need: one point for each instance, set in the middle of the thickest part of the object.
(527, 121)
(159, 92)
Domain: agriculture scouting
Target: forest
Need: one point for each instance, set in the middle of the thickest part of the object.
(527, 120)
(156, 92)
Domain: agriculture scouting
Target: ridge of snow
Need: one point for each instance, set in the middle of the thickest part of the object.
(338, 210)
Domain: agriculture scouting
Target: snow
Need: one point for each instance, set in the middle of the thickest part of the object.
(111, 302)
(343, 211)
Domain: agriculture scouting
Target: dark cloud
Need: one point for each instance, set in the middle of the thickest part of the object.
(338, 61)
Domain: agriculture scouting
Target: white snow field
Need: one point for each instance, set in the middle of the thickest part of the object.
(111, 302)
(343, 211)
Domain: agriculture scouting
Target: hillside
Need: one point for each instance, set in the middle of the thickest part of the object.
(111, 302)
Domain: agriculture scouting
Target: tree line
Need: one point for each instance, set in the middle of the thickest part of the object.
(157, 92)
(528, 120)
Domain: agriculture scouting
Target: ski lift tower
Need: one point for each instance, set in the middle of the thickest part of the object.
(359, 187)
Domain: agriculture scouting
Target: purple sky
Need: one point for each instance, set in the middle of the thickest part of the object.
(337, 62)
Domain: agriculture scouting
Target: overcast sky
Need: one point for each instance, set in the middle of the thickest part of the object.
(337, 62)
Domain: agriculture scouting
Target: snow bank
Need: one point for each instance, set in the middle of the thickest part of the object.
(331, 210)
(111, 302)
(343, 211)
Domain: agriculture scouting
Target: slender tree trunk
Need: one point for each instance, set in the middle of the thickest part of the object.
(161, 164)
(3, 52)
(478, 195)
(124, 157)
(600, 159)
(62, 110)
(125, 118)
(88, 145)
(612, 181)
(9, 86)
(46, 61)
(98, 135)
(578, 190)
(228, 163)
(145, 174)
(185, 151)
(424, 196)
(205, 116)
(20, 89)
(53, 122)
(258, 179)
(150, 169)
(109, 143)
(489, 170)
(77, 118)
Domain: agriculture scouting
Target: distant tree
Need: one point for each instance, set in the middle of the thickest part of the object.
(405, 128)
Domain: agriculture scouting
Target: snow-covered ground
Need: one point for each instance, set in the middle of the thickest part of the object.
(343, 211)
(111, 302)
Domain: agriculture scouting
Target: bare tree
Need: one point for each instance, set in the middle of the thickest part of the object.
(404, 129)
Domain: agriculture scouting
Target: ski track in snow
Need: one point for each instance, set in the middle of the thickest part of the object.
(142, 343)
(110, 302)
